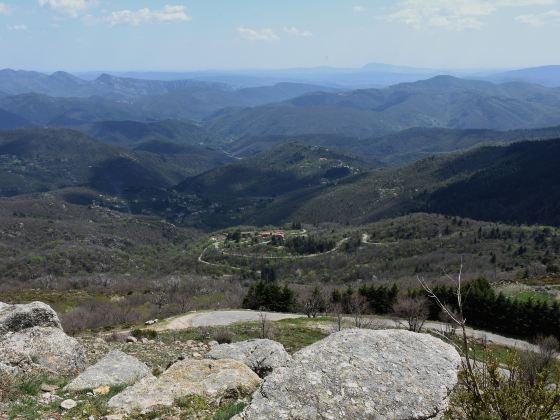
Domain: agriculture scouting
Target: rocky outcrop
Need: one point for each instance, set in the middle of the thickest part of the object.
(15, 318)
(115, 369)
(211, 379)
(31, 339)
(262, 356)
(361, 374)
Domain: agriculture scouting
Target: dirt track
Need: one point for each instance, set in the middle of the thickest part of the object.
(221, 318)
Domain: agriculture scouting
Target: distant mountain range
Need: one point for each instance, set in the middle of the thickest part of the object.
(443, 101)
(141, 99)
(371, 75)
(63, 100)
(545, 75)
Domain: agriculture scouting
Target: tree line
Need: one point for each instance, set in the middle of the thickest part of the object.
(483, 307)
(488, 310)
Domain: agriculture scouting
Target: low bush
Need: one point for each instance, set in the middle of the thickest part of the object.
(223, 336)
(139, 333)
(229, 410)
(203, 333)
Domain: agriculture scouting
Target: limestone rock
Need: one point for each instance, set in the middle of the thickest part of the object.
(68, 404)
(115, 369)
(262, 356)
(214, 379)
(361, 374)
(15, 318)
(41, 348)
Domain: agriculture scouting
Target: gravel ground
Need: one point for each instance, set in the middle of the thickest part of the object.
(219, 318)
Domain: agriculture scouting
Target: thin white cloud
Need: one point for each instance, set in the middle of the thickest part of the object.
(263, 34)
(4, 10)
(18, 28)
(168, 14)
(538, 20)
(455, 15)
(68, 7)
(292, 30)
(358, 9)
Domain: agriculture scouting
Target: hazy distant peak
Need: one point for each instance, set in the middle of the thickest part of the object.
(105, 78)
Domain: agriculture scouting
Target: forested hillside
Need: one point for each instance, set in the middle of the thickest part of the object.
(517, 184)
(34, 160)
(399, 148)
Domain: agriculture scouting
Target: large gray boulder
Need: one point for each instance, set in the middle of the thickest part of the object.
(115, 369)
(262, 356)
(361, 374)
(41, 348)
(32, 340)
(15, 318)
(211, 379)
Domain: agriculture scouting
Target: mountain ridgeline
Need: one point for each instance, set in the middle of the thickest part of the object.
(443, 101)
(62, 99)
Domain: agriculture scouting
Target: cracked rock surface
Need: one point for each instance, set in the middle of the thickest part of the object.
(211, 379)
(261, 355)
(361, 374)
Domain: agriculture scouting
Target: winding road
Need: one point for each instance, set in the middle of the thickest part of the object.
(265, 257)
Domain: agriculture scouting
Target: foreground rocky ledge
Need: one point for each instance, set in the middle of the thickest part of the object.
(352, 374)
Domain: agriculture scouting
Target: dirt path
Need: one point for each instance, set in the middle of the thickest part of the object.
(219, 318)
(477, 334)
(203, 261)
(222, 318)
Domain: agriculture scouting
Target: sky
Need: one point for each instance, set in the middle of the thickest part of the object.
(168, 35)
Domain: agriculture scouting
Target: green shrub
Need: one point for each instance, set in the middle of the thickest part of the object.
(30, 385)
(25, 408)
(36, 259)
(229, 410)
(139, 333)
(505, 396)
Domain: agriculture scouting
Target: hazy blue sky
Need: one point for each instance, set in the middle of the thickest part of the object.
(205, 34)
